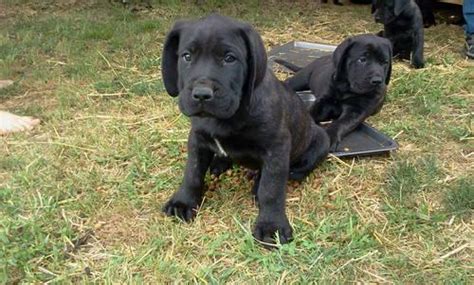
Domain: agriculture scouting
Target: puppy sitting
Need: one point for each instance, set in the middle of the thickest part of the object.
(403, 26)
(349, 85)
(239, 110)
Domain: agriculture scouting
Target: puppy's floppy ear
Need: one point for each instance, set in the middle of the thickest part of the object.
(256, 57)
(169, 61)
(339, 56)
(399, 6)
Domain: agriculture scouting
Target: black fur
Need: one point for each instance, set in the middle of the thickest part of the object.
(336, 2)
(403, 26)
(350, 84)
(426, 8)
(239, 110)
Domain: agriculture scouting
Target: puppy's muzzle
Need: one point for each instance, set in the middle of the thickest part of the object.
(202, 93)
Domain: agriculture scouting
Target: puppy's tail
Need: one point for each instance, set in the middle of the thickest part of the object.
(288, 65)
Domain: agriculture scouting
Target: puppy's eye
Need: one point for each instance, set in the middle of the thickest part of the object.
(186, 56)
(229, 58)
(362, 59)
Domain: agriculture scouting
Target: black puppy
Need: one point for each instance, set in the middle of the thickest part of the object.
(426, 8)
(239, 110)
(403, 26)
(349, 85)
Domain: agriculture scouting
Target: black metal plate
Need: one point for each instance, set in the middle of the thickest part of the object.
(365, 140)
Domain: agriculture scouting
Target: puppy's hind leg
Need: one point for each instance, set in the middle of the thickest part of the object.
(314, 155)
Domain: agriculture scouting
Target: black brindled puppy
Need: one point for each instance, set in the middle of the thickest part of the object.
(349, 85)
(403, 26)
(217, 67)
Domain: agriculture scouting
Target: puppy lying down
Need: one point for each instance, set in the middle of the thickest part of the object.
(239, 111)
(349, 85)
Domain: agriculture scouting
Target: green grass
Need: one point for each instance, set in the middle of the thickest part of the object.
(81, 195)
(460, 200)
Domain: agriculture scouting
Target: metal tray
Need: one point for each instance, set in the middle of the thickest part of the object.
(299, 53)
(363, 141)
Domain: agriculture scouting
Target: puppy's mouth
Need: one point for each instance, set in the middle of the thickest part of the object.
(220, 107)
(201, 114)
(362, 88)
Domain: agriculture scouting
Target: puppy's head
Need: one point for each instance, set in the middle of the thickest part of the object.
(364, 62)
(213, 65)
(386, 11)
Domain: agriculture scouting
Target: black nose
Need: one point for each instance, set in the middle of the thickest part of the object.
(202, 93)
(376, 80)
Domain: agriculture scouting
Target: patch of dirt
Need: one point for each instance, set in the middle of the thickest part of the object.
(121, 225)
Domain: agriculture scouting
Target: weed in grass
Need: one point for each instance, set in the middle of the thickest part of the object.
(459, 198)
(408, 178)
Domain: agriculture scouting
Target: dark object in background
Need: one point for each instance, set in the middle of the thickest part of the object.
(426, 8)
(134, 5)
(350, 84)
(336, 2)
(403, 26)
(361, 1)
(449, 13)
(239, 111)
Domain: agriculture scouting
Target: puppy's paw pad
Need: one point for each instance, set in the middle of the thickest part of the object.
(184, 211)
(265, 232)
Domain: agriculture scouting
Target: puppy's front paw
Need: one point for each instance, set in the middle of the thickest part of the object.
(333, 147)
(334, 138)
(417, 63)
(181, 208)
(266, 228)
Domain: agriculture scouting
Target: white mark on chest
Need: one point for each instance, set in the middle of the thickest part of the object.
(221, 149)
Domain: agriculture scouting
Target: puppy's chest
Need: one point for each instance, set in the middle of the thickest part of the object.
(401, 25)
(241, 149)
